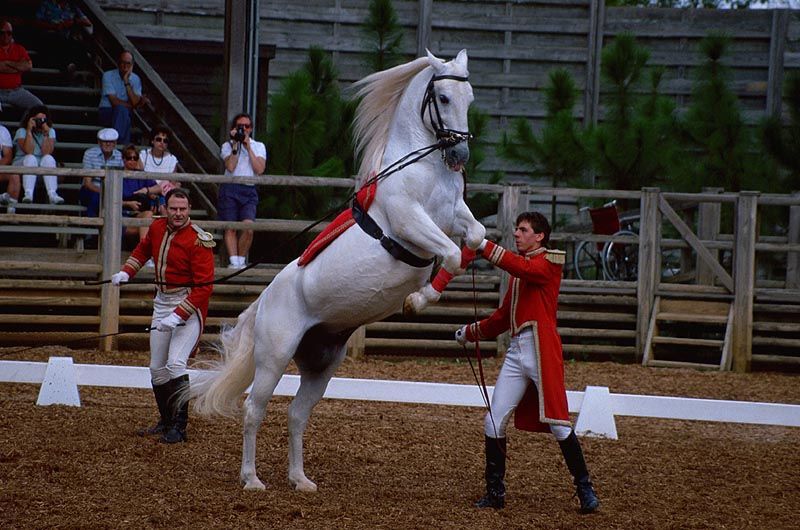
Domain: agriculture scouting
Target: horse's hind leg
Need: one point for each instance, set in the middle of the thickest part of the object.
(267, 376)
(312, 387)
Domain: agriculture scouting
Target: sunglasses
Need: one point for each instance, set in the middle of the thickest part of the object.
(6, 31)
(245, 125)
(161, 139)
(131, 158)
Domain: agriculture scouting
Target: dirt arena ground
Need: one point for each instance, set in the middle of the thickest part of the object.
(381, 465)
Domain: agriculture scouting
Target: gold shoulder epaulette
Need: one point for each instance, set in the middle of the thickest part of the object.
(204, 238)
(559, 257)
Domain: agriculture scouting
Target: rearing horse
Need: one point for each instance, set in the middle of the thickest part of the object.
(307, 313)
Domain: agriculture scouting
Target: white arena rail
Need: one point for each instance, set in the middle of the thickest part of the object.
(596, 407)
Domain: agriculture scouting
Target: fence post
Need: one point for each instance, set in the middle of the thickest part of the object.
(708, 226)
(424, 27)
(357, 343)
(511, 203)
(111, 249)
(793, 258)
(649, 272)
(744, 261)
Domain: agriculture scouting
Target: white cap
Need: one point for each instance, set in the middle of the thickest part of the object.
(107, 135)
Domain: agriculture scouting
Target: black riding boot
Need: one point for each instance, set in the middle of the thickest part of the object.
(573, 455)
(162, 393)
(179, 406)
(495, 473)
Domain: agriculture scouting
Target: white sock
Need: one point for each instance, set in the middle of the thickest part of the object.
(233, 261)
(241, 260)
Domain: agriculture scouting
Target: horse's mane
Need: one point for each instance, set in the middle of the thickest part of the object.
(380, 94)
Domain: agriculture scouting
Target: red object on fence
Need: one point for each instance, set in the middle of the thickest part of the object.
(605, 221)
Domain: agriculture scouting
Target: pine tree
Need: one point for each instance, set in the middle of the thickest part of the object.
(783, 143)
(715, 135)
(560, 151)
(633, 146)
(384, 36)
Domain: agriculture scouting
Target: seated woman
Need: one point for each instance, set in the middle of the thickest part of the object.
(137, 193)
(35, 141)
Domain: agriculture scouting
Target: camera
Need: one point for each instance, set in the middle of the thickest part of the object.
(39, 122)
(239, 134)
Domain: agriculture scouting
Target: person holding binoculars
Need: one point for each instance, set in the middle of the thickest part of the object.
(35, 141)
(243, 157)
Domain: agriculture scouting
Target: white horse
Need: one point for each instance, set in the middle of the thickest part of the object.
(307, 313)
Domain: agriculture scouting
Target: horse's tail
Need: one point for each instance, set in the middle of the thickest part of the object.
(217, 389)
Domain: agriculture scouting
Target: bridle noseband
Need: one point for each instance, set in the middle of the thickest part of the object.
(445, 137)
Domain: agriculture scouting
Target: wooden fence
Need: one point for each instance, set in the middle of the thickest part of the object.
(728, 262)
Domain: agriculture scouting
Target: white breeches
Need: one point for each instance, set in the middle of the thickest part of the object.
(519, 370)
(169, 351)
(29, 181)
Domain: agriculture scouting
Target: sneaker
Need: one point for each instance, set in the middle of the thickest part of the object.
(55, 198)
(5, 198)
(150, 263)
(27, 199)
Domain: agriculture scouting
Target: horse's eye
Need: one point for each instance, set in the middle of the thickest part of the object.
(444, 100)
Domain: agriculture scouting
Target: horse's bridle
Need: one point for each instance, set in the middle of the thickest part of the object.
(446, 137)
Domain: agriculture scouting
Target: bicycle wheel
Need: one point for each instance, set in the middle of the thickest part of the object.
(621, 260)
(670, 263)
(586, 261)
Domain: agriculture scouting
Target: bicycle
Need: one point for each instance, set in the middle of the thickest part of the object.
(615, 260)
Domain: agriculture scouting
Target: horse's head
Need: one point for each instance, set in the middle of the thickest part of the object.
(445, 105)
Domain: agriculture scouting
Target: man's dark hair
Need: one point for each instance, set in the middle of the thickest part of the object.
(177, 192)
(241, 115)
(538, 222)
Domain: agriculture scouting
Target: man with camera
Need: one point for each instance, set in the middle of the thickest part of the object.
(243, 157)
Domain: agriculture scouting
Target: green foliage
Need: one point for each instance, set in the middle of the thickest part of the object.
(713, 130)
(308, 135)
(383, 35)
(560, 151)
(635, 145)
(481, 204)
(783, 143)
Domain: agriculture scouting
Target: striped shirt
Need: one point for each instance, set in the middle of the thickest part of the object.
(93, 159)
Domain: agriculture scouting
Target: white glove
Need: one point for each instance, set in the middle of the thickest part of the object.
(169, 323)
(461, 336)
(120, 277)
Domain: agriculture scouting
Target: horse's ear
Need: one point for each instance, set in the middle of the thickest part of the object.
(461, 59)
(436, 63)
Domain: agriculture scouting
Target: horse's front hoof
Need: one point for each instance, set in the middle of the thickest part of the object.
(413, 304)
(252, 484)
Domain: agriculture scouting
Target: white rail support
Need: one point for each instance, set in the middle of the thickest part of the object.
(59, 384)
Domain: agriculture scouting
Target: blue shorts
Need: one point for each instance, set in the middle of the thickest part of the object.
(237, 202)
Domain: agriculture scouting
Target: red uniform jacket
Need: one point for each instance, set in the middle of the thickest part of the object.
(181, 257)
(532, 302)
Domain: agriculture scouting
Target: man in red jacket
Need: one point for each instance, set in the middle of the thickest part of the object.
(184, 270)
(529, 311)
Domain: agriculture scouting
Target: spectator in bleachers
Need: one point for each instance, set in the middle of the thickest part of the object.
(158, 159)
(14, 61)
(102, 156)
(122, 92)
(11, 195)
(137, 193)
(64, 28)
(35, 142)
